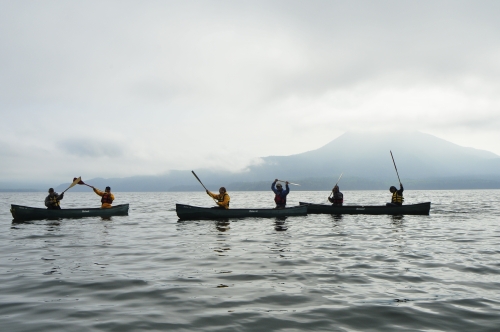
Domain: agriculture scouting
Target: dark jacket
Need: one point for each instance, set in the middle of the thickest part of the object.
(337, 199)
(52, 200)
(280, 195)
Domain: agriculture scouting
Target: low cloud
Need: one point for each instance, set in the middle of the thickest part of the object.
(91, 148)
(185, 85)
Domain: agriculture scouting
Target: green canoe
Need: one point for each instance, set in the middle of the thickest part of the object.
(21, 213)
(420, 208)
(188, 212)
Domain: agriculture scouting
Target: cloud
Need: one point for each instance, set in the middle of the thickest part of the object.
(152, 86)
(92, 148)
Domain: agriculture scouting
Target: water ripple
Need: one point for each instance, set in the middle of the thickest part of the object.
(148, 271)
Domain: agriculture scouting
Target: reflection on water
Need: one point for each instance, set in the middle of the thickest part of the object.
(337, 217)
(147, 271)
(397, 218)
(222, 246)
(222, 225)
(280, 224)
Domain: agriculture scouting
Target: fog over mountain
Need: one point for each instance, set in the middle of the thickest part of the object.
(367, 155)
(423, 161)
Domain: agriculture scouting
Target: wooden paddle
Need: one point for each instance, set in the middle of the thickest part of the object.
(197, 178)
(295, 184)
(395, 168)
(75, 182)
(335, 186)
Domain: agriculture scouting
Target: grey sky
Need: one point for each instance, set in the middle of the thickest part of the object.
(118, 88)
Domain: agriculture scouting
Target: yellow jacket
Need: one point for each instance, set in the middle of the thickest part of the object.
(104, 205)
(222, 200)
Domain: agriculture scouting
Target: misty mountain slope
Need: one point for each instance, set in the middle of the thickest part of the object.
(417, 155)
(423, 161)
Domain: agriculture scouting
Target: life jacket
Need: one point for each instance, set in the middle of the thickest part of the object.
(397, 198)
(106, 198)
(220, 198)
(338, 198)
(53, 200)
(280, 199)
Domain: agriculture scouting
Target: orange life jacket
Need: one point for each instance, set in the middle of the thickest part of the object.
(220, 198)
(106, 198)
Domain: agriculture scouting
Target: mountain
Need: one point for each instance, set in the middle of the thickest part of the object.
(423, 161)
(367, 155)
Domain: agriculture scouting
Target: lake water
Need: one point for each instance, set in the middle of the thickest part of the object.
(149, 272)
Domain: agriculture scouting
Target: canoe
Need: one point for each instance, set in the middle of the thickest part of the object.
(21, 213)
(188, 212)
(416, 209)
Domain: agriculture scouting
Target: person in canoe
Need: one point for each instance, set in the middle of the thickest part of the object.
(280, 194)
(397, 196)
(222, 198)
(52, 201)
(107, 197)
(338, 197)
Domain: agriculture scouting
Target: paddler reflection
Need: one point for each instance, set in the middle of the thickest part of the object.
(279, 224)
(222, 225)
(337, 217)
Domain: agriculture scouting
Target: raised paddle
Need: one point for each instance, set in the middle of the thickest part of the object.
(75, 182)
(395, 167)
(295, 184)
(81, 182)
(335, 185)
(197, 178)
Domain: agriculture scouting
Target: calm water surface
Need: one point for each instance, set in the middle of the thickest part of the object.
(149, 272)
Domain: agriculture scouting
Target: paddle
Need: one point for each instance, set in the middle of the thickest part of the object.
(295, 184)
(395, 168)
(81, 182)
(335, 185)
(197, 178)
(75, 181)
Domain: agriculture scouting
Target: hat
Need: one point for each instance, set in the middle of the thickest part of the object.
(108, 188)
(279, 185)
(51, 190)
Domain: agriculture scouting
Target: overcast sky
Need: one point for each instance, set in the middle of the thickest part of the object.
(120, 88)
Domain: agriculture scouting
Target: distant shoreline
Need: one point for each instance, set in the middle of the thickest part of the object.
(236, 190)
(180, 184)
(20, 190)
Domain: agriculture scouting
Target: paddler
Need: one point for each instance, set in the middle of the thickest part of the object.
(52, 200)
(397, 196)
(338, 197)
(107, 197)
(222, 198)
(280, 194)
